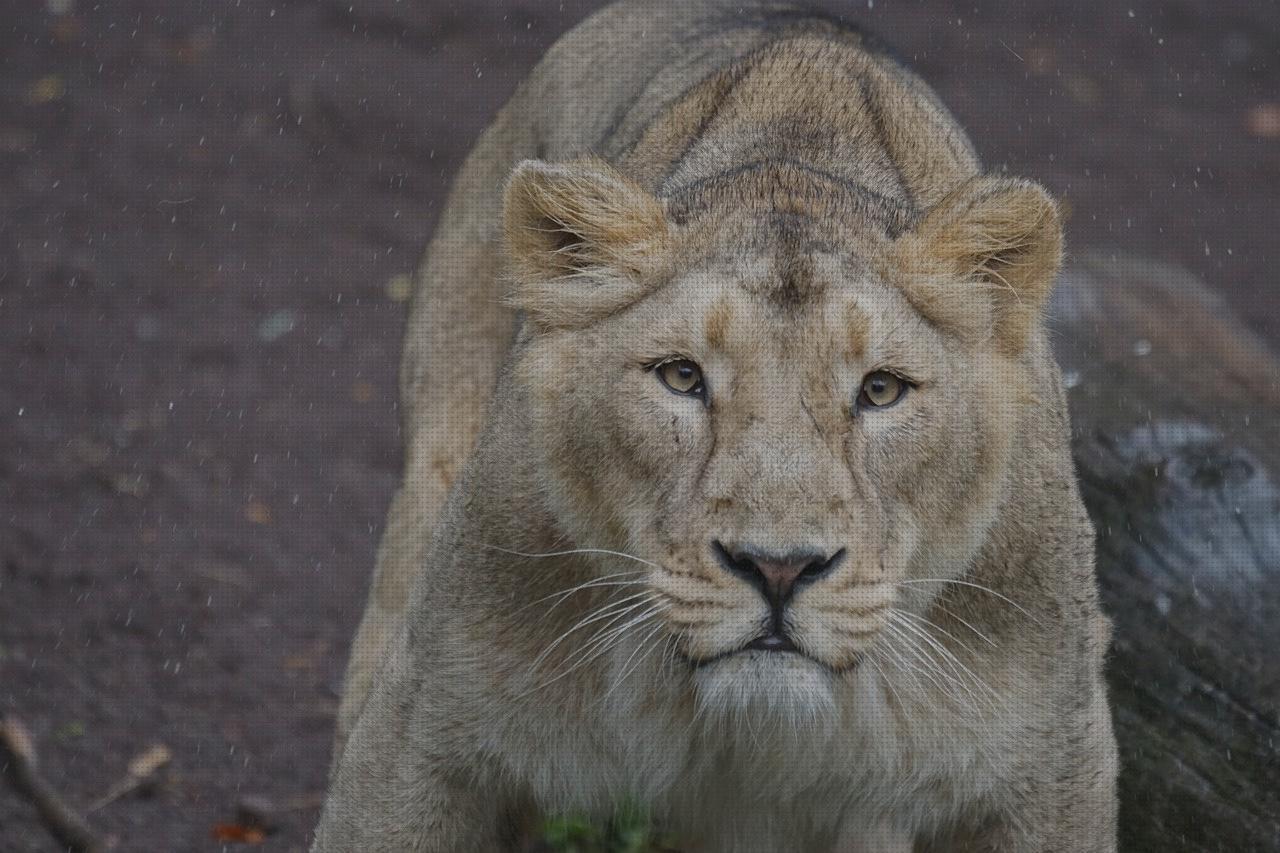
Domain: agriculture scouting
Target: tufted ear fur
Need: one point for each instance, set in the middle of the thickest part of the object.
(583, 240)
(1001, 235)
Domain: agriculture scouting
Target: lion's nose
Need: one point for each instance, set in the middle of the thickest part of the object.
(776, 575)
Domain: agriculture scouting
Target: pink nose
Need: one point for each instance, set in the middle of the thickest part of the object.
(776, 575)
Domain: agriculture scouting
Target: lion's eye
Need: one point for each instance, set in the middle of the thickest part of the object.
(881, 390)
(681, 376)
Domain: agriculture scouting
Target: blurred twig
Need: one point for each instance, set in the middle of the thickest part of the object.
(142, 772)
(66, 824)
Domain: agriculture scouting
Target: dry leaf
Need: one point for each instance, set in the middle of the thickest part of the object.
(239, 833)
(258, 512)
(362, 392)
(399, 287)
(46, 89)
(1264, 121)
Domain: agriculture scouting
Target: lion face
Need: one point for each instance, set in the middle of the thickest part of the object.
(797, 429)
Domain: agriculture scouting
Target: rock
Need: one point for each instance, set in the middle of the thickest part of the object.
(1176, 413)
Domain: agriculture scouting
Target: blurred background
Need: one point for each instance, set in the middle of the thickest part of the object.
(209, 212)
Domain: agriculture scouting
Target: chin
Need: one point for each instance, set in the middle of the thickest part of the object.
(766, 688)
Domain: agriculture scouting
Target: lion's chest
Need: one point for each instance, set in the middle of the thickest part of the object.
(769, 784)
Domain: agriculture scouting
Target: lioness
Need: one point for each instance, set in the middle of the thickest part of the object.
(770, 522)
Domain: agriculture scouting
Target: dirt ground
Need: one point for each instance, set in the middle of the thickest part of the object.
(206, 210)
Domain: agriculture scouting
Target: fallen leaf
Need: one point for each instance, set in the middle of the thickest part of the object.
(65, 27)
(316, 653)
(1083, 90)
(361, 391)
(1264, 121)
(258, 512)
(222, 571)
(236, 832)
(134, 485)
(399, 287)
(48, 88)
(14, 140)
(1042, 60)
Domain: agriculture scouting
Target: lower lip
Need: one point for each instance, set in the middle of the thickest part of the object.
(773, 643)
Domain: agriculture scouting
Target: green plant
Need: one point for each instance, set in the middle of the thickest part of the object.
(630, 830)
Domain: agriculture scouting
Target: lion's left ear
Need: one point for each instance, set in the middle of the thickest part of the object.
(1003, 235)
(583, 240)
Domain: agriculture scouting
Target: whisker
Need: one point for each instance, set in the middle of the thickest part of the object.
(871, 659)
(886, 645)
(603, 581)
(669, 654)
(986, 589)
(931, 666)
(602, 650)
(571, 551)
(898, 661)
(627, 669)
(596, 615)
(607, 634)
(936, 603)
(965, 623)
(916, 616)
(948, 656)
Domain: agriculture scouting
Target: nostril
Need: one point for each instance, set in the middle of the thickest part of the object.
(818, 568)
(776, 575)
(735, 563)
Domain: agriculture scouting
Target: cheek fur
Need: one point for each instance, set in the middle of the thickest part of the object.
(660, 434)
(617, 440)
(926, 461)
(946, 461)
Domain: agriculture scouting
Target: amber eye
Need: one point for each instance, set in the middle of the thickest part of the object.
(881, 390)
(681, 376)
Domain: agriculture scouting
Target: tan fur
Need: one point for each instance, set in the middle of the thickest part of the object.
(765, 194)
(1002, 234)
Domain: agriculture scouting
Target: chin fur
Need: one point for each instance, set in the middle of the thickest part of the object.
(766, 689)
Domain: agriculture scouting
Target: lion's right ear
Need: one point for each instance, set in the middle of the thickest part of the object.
(582, 239)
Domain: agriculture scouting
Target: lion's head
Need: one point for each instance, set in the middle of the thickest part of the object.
(797, 403)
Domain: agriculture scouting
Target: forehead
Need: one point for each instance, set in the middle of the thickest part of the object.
(808, 301)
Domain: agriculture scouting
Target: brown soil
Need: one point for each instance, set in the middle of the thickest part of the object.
(202, 206)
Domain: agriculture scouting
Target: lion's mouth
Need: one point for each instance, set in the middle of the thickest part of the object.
(775, 643)
(772, 642)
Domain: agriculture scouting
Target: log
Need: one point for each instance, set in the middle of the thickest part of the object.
(1176, 420)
